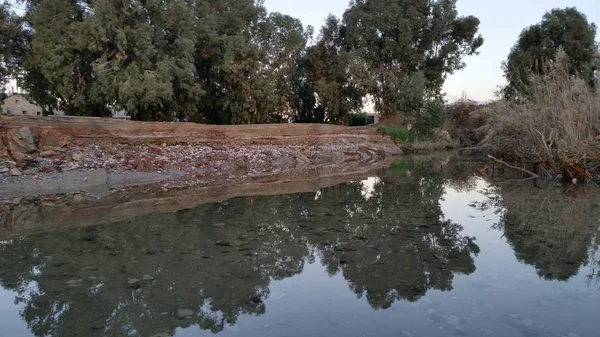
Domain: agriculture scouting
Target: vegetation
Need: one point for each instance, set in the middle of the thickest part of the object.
(232, 62)
(566, 28)
(556, 126)
(357, 119)
(464, 118)
(414, 143)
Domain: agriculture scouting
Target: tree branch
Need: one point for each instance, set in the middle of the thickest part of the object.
(533, 175)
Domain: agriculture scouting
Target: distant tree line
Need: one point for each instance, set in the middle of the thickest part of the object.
(231, 61)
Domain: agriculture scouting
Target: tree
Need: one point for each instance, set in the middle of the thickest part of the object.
(12, 43)
(144, 57)
(406, 44)
(538, 44)
(325, 85)
(245, 59)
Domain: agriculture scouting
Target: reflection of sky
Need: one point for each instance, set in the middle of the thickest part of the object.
(11, 323)
(369, 187)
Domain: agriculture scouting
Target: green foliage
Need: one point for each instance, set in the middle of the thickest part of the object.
(232, 62)
(357, 119)
(405, 44)
(325, 87)
(430, 117)
(538, 44)
(400, 135)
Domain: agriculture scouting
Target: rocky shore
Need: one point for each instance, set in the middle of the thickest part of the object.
(53, 155)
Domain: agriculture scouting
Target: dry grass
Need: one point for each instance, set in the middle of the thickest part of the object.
(557, 126)
(440, 141)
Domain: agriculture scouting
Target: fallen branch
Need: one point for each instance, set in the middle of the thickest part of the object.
(533, 175)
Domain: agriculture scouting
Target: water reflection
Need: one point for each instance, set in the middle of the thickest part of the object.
(551, 227)
(210, 265)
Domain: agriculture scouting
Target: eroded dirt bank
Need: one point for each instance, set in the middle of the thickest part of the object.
(50, 155)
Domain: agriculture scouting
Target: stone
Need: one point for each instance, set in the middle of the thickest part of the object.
(47, 153)
(183, 313)
(23, 138)
(148, 277)
(284, 162)
(144, 165)
(49, 169)
(98, 178)
(77, 156)
(133, 283)
(15, 172)
(97, 326)
(154, 149)
(3, 150)
(74, 283)
(20, 144)
(223, 243)
(302, 159)
(4, 170)
(50, 138)
(528, 322)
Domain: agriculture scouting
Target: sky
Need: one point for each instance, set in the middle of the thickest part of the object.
(501, 24)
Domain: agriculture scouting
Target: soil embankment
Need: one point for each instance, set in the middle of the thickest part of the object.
(52, 155)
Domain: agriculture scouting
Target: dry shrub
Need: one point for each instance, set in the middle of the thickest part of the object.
(556, 125)
(463, 120)
(439, 141)
(393, 121)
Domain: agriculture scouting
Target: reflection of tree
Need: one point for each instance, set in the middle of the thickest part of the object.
(398, 245)
(218, 259)
(550, 228)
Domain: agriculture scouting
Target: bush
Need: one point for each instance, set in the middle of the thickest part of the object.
(556, 125)
(357, 119)
(400, 135)
(463, 120)
(430, 118)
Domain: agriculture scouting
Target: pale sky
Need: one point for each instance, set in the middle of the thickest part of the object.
(501, 24)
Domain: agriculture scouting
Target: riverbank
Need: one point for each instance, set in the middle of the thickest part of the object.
(52, 155)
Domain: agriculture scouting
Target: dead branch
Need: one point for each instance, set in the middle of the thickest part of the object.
(533, 175)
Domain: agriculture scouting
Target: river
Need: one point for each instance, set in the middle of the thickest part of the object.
(427, 248)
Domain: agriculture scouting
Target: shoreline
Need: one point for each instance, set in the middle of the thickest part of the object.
(46, 156)
(36, 214)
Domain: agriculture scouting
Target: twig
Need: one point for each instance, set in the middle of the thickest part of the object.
(533, 175)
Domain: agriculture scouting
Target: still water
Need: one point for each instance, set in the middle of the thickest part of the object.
(428, 248)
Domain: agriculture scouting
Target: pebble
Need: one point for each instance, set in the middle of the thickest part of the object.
(183, 313)
(148, 277)
(77, 156)
(528, 322)
(74, 283)
(452, 320)
(15, 172)
(134, 283)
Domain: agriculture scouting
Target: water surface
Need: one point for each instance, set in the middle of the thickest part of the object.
(428, 248)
